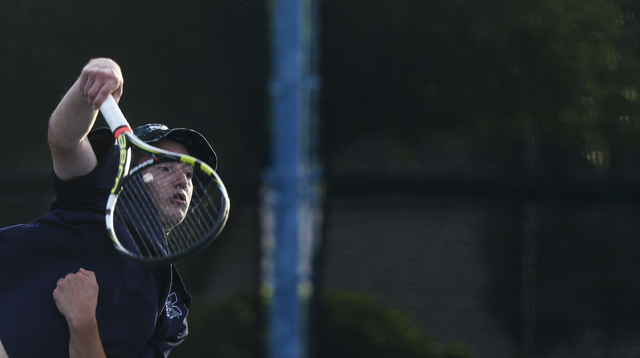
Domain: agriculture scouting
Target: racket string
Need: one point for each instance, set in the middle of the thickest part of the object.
(133, 210)
(195, 225)
(141, 210)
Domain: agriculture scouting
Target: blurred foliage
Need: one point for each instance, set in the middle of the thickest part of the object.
(349, 324)
(420, 71)
(232, 328)
(356, 324)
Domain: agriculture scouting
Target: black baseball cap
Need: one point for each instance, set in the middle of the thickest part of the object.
(196, 144)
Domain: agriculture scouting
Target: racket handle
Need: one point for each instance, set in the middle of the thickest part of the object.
(113, 116)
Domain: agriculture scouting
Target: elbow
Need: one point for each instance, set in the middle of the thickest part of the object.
(56, 136)
(53, 135)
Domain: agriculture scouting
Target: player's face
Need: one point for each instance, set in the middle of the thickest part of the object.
(170, 185)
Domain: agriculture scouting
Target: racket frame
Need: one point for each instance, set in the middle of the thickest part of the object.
(126, 139)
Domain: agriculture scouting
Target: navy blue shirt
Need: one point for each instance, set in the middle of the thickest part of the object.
(141, 311)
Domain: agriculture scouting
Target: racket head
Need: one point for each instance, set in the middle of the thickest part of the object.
(165, 208)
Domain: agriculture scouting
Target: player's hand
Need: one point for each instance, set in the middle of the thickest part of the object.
(76, 296)
(100, 78)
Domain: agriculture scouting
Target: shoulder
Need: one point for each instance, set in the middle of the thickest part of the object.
(7, 229)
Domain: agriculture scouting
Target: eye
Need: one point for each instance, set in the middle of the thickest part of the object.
(163, 168)
(188, 174)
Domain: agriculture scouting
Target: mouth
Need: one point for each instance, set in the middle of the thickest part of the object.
(180, 198)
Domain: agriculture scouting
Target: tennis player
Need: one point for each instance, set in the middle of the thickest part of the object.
(64, 289)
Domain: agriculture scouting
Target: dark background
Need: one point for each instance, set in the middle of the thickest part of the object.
(480, 162)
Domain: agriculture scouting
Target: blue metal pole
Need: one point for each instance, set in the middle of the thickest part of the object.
(291, 200)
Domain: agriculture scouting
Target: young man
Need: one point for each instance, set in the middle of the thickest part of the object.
(172, 203)
(64, 289)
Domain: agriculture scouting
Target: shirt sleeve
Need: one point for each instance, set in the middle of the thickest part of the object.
(90, 192)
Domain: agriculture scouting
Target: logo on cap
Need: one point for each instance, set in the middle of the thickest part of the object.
(153, 127)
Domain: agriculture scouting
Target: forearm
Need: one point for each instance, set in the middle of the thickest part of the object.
(71, 121)
(69, 125)
(85, 341)
(75, 115)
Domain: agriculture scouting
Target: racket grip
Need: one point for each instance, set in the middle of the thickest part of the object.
(113, 115)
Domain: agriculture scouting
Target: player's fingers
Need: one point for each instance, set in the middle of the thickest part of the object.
(118, 93)
(90, 89)
(67, 277)
(102, 88)
(88, 278)
(88, 274)
(82, 82)
(86, 81)
(98, 82)
(101, 97)
(86, 78)
(85, 271)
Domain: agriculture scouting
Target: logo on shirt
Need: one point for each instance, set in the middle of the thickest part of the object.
(170, 307)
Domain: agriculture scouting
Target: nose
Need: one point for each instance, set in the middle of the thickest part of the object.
(179, 177)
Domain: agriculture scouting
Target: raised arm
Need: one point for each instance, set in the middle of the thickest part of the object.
(75, 115)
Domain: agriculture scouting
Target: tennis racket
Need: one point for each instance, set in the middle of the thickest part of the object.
(164, 205)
